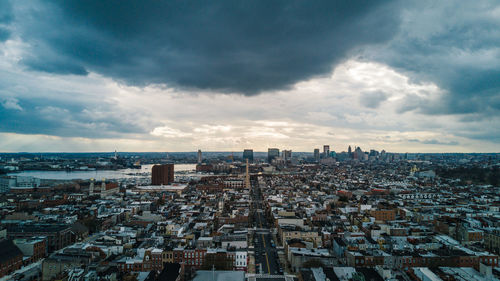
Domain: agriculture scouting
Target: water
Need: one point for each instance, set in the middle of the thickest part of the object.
(145, 170)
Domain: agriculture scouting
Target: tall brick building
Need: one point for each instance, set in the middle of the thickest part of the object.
(11, 258)
(162, 174)
(384, 215)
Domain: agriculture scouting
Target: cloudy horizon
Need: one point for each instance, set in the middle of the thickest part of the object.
(412, 76)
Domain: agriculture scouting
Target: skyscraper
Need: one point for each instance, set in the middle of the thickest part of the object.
(287, 155)
(199, 156)
(358, 154)
(326, 151)
(316, 154)
(248, 154)
(162, 174)
(272, 153)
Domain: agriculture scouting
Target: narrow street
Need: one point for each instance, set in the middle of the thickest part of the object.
(266, 256)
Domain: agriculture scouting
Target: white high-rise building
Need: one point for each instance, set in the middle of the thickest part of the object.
(199, 156)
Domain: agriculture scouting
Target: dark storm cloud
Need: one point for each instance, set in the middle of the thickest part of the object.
(230, 46)
(6, 13)
(6, 16)
(453, 44)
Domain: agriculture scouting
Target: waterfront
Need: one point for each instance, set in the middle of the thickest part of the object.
(145, 170)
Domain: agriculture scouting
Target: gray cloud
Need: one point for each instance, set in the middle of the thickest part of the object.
(453, 44)
(4, 34)
(373, 99)
(249, 48)
(6, 16)
(434, 142)
(64, 118)
(10, 103)
(229, 46)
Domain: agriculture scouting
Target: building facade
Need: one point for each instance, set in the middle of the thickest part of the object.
(272, 153)
(316, 154)
(11, 258)
(248, 154)
(162, 174)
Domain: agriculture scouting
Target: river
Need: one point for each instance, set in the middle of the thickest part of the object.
(99, 174)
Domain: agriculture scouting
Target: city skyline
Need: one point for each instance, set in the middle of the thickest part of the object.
(249, 140)
(399, 76)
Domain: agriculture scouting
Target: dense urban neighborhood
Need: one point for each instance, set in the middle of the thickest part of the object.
(317, 216)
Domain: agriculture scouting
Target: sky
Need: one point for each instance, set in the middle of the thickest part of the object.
(153, 75)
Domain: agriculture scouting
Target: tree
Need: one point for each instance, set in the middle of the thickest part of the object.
(343, 199)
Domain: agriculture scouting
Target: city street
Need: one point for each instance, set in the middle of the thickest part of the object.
(266, 256)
